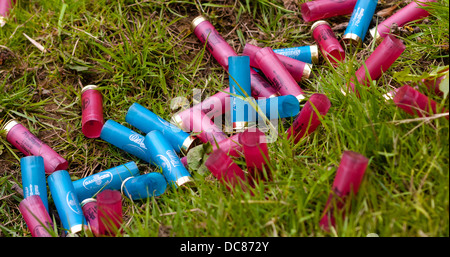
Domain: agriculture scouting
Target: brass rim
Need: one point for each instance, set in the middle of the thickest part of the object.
(184, 180)
(176, 119)
(196, 21)
(87, 200)
(187, 144)
(274, 95)
(352, 38)
(240, 125)
(84, 89)
(2, 21)
(8, 126)
(314, 54)
(307, 70)
(301, 98)
(318, 23)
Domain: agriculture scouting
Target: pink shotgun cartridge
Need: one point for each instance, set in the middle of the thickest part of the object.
(307, 121)
(90, 212)
(299, 70)
(225, 170)
(415, 103)
(21, 138)
(380, 60)
(329, 45)
(110, 219)
(36, 216)
(413, 11)
(348, 179)
(322, 9)
(215, 43)
(256, 152)
(277, 73)
(91, 112)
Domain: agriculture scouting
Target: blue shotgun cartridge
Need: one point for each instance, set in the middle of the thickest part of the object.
(125, 139)
(108, 179)
(33, 178)
(145, 120)
(308, 54)
(240, 84)
(279, 107)
(164, 156)
(66, 201)
(359, 22)
(144, 186)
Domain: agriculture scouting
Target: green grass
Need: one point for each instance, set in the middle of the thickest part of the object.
(144, 52)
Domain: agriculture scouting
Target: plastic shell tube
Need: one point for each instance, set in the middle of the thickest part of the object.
(146, 121)
(322, 9)
(5, 8)
(91, 112)
(66, 201)
(347, 180)
(125, 139)
(90, 212)
(33, 178)
(36, 216)
(239, 79)
(307, 54)
(359, 22)
(225, 170)
(279, 107)
(21, 138)
(108, 179)
(277, 73)
(194, 120)
(307, 121)
(415, 103)
(327, 41)
(380, 60)
(215, 44)
(239, 69)
(413, 11)
(144, 186)
(255, 152)
(261, 87)
(109, 208)
(163, 155)
(297, 69)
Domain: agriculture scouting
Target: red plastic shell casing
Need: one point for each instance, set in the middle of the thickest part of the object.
(307, 121)
(91, 112)
(36, 216)
(322, 9)
(109, 205)
(329, 45)
(347, 180)
(21, 138)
